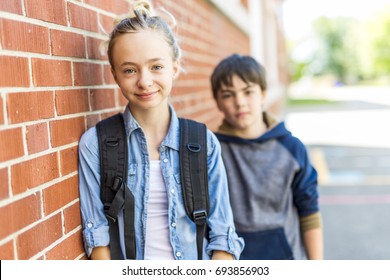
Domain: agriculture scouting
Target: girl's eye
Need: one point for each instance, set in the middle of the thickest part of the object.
(129, 71)
(249, 92)
(157, 67)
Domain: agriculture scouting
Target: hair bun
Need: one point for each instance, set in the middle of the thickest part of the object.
(143, 7)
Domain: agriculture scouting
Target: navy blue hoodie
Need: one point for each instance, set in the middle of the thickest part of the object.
(272, 184)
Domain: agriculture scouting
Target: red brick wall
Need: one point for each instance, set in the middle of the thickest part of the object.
(54, 84)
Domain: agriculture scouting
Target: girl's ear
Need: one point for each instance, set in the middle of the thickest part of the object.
(176, 69)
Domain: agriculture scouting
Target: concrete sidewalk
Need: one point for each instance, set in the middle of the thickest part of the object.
(351, 133)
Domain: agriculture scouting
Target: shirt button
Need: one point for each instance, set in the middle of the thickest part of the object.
(165, 160)
(89, 225)
(173, 224)
(172, 191)
(178, 254)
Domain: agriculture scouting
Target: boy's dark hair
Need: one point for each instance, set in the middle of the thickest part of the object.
(245, 67)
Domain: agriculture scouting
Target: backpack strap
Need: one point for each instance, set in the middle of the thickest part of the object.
(194, 176)
(113, 183)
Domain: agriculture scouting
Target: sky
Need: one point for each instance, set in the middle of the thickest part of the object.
(298, 14)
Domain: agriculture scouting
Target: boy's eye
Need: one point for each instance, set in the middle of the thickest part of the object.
(249, 92)
(226, 95)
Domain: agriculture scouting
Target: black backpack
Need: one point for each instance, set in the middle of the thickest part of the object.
(115, 194)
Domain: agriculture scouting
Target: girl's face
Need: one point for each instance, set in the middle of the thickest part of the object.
(241, 104)
(143, 69)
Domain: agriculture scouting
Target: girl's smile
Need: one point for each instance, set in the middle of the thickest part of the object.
(147, 95)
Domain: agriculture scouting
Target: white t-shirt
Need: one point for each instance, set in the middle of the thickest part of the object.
(157, 244)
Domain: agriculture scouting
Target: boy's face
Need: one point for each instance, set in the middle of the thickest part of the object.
(242, 105)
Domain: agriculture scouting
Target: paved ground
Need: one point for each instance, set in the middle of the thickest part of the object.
(349, 144)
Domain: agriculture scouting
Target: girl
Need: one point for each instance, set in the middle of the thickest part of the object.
(144, 56)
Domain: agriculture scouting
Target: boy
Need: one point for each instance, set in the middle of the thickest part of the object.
(273, 187)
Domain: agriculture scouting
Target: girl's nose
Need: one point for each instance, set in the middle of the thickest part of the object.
(145, 80)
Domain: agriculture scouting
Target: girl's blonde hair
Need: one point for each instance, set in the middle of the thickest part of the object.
(142, 18)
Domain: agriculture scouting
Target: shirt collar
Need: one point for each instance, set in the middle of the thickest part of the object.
(171, 140)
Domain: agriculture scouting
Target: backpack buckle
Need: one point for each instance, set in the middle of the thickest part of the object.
(199, 215)
(110, 217)
(194, 147)
(112, 142)
(106, 207)
(117, 184)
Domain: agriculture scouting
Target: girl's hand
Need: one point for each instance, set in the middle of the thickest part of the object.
(221, 255)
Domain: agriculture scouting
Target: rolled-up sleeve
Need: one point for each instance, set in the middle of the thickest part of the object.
(94, 223)
(222, 234)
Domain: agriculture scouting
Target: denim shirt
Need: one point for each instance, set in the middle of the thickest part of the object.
(182, 231)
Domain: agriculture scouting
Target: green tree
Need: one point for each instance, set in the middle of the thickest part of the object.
(380, 30)
(336, 53)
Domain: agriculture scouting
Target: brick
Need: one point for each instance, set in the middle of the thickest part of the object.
(14, 72)
(51, 72)
(107, 24)
(11, 143)
(186, 90)
(109, 114)
(11, 6)
(39, 237)
(108, 78)
(37, 137)
(66, 131)
(68, 160)
(30, 106)
(19, 214)
(1, 111)
(96, 49)
(86, 74)
(92, 120)
(34, 172)
(122, 101)
(60, 194)
(69, 249)
(71, 101)
(116, 7)
(4, 191)
(7, 251)
(72, 217)
(67, 44)
(82, 18)
(102, 99)
(21, 36)
(47, 10)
